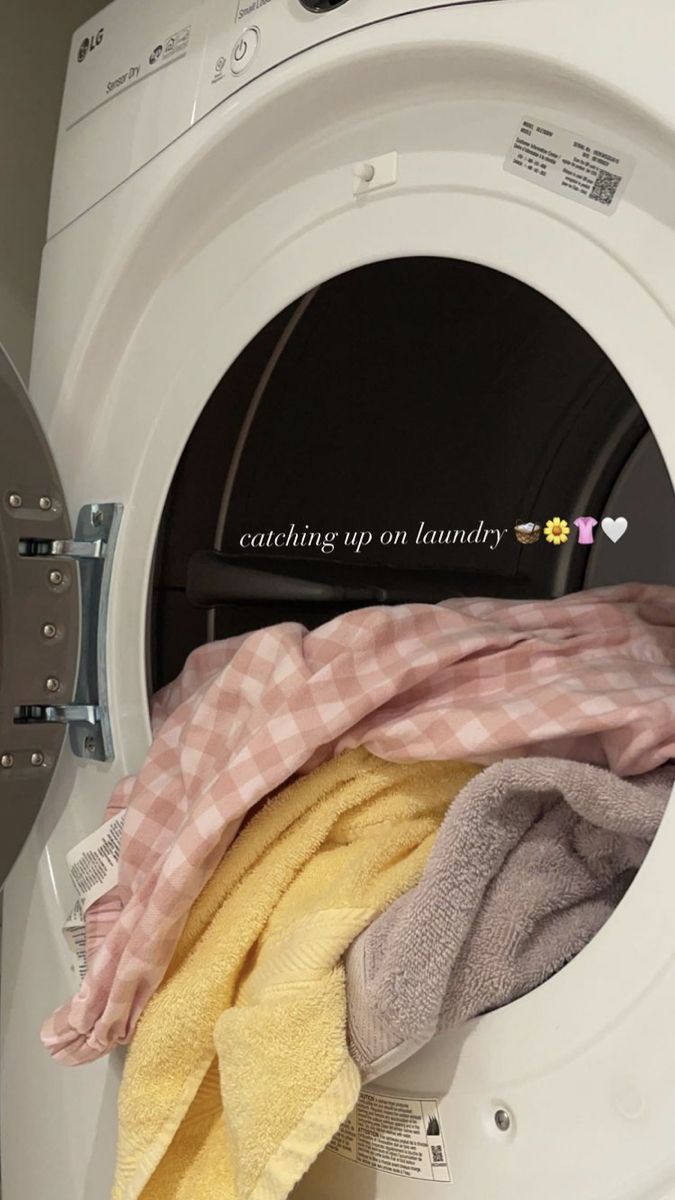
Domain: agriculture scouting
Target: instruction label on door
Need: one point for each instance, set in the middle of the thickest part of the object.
(571, 164)
(398, 1134)
(94, 869)
(93, 863)
(76, 936)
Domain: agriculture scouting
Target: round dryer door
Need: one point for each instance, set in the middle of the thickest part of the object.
(39, 616)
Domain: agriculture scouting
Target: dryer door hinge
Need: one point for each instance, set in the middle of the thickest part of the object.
(92, 549)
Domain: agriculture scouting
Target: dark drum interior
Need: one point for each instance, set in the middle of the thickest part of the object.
(414, 390)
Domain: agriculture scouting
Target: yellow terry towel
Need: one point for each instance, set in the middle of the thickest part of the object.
(239, 1074)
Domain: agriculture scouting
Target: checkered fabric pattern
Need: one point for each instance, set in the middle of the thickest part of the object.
(589, 676)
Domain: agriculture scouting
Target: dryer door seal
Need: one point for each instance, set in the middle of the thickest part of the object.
(39, 615)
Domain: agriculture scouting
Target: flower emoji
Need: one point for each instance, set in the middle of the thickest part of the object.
(556, 531)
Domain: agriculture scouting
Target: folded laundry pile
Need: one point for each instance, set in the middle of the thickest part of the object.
(531, 860)
(239, 1073)
(589, 676)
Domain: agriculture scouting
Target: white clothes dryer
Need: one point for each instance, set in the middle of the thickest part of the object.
(293, 243)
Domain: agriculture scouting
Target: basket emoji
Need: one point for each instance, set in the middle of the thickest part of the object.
(527, 532)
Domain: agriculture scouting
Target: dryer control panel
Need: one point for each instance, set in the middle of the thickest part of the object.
(139, 75)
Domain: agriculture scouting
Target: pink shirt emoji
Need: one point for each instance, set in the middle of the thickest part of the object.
(585, 527)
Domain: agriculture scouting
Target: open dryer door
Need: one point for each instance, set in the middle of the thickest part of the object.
(39, 616)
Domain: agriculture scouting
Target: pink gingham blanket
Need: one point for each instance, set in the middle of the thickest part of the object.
(589, 676)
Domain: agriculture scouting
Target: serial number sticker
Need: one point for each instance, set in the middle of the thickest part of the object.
(571, 164)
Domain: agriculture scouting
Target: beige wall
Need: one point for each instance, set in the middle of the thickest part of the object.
(33, 51)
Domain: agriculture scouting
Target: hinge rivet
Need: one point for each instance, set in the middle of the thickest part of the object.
(49, 630)
(96, 517)
(37, 758)
(45, 503)
(15, 500)
(56, 577)
(90, 745)
(52, 684)
(7, 760)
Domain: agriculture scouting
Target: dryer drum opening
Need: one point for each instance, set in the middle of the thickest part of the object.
(417, 394)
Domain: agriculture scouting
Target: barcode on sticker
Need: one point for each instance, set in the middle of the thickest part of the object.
(75, 934)
(77, 940)
(605, 187)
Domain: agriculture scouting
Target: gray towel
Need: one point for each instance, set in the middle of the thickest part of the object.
(532, 858)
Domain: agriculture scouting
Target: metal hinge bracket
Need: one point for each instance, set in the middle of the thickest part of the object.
(92, 548)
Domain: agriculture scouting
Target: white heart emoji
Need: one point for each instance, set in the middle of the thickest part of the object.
(614, 527)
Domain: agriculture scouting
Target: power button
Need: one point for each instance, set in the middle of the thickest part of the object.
(244, 50)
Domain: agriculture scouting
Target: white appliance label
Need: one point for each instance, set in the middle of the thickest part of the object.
(398, 1134)
(93, 863)
(113, 57)
(570, 164)
(76, 937)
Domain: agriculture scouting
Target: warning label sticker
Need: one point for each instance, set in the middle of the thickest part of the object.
(93, 863)
(398, 1134)
(570, 164)
(94, 867)
(76, 937)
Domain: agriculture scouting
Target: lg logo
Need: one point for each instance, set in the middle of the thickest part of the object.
(89, 43)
